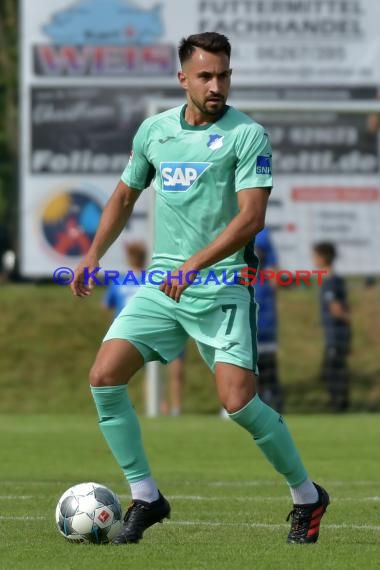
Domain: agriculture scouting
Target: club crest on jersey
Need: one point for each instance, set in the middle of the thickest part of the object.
(181, 176)
(263, 165)
(215, 142)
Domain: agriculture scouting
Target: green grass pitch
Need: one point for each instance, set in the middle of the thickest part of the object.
(228, 506)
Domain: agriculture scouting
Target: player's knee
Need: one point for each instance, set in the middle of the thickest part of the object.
(100, 377)
(235, 402)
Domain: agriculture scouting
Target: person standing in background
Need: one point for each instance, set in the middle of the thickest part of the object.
(335, 318)
(266, 296)
(173, 405)
(117, 296)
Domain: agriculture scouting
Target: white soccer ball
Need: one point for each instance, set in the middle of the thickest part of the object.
(89, 512)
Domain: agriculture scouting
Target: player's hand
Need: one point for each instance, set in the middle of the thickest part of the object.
(80, 286)
(180, 280)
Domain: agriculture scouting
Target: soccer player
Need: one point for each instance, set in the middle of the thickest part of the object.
(335, 318)
(210, 166)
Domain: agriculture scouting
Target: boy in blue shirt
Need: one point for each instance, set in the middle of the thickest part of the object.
(117, 296)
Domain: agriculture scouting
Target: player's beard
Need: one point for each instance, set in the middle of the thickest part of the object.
(208, 108)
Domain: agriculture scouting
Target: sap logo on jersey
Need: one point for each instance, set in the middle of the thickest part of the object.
(181, 176)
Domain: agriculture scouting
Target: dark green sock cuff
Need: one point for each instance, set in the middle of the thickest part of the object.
(250, 415)
(111, 400)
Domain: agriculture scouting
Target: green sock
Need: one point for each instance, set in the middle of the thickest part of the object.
(272, 436)
(120, 426)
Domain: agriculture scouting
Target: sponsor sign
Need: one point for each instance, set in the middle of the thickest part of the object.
(307, 42)
(275, 42)
(89, 68)
(322, 142)
(106, 39)
(82, 130)
(181, 176)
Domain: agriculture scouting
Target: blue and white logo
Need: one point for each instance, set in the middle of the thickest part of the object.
(263, 165)
(215, 142)
(181, 176)
(105, 22)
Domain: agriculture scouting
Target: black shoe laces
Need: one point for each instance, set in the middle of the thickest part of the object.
(300, 521)
(134, 523)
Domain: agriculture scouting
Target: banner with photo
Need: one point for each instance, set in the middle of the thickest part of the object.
(90, 67)
(80, 142)
(275, 42)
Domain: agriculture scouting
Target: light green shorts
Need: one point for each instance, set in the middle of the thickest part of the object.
(223, 326)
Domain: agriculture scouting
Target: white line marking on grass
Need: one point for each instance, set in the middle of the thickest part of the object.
(221, 498)
(21, 518)
(25, 482)
(272, 526)
(227, 524)
(257, 483)
(18, 497)
(218, 498)
(250, 483)
(212, 498)
(357, 499)
(254, 498)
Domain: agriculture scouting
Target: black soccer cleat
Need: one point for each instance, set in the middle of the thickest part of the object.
(306, 519)
(140, 516)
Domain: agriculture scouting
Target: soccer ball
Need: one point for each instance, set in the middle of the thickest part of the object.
(89, 512)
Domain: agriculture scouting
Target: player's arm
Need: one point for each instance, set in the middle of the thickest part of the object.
(137, 175)
(113, 220)
(243, 227)
(333, 297)
(248, 222)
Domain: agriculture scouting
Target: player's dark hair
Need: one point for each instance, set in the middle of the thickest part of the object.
(209, 41)
(327, 250)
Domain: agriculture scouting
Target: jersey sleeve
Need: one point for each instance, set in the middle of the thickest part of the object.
(139, 172)
(254, 159)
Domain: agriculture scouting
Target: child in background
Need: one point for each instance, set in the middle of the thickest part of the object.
(117, 296)
(335, 318)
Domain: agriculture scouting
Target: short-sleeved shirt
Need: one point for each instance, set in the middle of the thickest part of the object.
(196, 172)
(337, 331)
(265, 294)
(117, 296)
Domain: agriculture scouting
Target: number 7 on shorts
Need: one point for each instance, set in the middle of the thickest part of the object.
(230, 323)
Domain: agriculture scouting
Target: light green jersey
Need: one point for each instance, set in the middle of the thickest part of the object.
(196, 174)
